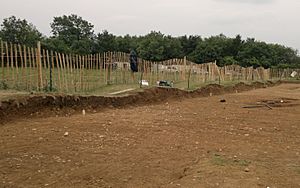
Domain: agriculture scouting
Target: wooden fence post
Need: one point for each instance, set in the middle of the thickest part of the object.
(80, 73)
(189, 76)
(30, 70)
(16, 63)
(58, 67)
(44, 69)
(77, 70)
(2, 60)
(12, 63)
(22, 62)
(49, 65)
(65, 72)
(7, 61)
(39, 65)
(25, 66)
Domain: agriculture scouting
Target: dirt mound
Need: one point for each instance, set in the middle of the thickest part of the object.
(66, 105)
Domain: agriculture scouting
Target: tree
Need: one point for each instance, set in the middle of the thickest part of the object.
(151, 46)
(72, 29)
(106, 42)
(124, 44)
(228, 60)
(16, 30)
(189, 44)
(56, 44)
(172, 48)
(211, 49)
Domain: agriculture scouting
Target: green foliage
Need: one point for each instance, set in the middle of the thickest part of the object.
(3, 85)
(71, 28)
(156, 46)
(151, 46)
(211, 49)
(228, 60)
(124, 44)
(55, 44)
(19, 31)
(189, 43)
(106, 41)
(73, 34)
(219, 160)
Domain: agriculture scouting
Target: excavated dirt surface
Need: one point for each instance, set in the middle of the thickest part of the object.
(18, 106)
(159, 138)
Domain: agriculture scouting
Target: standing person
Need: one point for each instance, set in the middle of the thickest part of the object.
(133, 62)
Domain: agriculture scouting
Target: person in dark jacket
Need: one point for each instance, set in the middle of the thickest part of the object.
(133, 61)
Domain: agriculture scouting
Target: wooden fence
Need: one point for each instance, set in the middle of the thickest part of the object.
(37, 69)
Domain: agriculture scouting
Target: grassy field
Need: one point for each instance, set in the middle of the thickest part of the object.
(101, 82)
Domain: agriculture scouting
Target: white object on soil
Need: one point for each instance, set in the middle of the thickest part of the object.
(294, 73)
(145, 83)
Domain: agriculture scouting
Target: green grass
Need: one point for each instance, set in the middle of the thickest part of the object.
(219, 160)
(97, 82)
(9, 94)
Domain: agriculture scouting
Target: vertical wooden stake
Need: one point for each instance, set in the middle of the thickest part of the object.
(22, 63)
(2, 60)
(97, 60)
(72, 67)
(12, 63)
(35, 67)
(30, 69)
(7, 61)
(111, 66)
(49, 82)
(45, 69)
(77, 74)
(67, 68)
(184, 64)
(25, 67)
(50, 69)
(80, 74)
(17, 66)
(65, 72)
(91, 73)
(53, 68)
(54, 83)
(98, 68)
(16, 62)
(87, 72)
(58, 63)
(39, 64)
(104, 67)
(84, 71)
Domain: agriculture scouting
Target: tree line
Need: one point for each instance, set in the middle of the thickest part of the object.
(73, 34)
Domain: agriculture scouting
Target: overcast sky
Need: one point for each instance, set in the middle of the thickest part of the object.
(276, 21)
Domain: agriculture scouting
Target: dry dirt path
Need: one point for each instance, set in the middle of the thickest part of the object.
(196, 142)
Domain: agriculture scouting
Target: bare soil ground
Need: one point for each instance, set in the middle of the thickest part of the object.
(186, 142)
